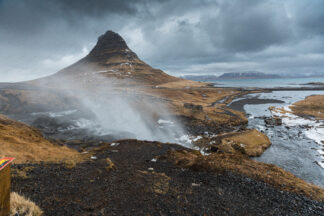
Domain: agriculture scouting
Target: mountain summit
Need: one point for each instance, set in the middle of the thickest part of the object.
(111, 45)
(112, 58)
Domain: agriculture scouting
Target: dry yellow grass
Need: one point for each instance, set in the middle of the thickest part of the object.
(175, 98)
(27, 144)
(23, 206)
(21, 173)
(253, 142)
(110, 164)
(183, 84)
(310, 106)
(157, 182)
(249, 142)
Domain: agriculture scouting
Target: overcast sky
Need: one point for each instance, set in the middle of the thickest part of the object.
(39, 37)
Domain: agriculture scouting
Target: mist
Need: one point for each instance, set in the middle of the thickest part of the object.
(131, 117)
(108, 110)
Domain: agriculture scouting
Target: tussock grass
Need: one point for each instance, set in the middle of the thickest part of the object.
(28, 145)
(23, 206)
(310, 106)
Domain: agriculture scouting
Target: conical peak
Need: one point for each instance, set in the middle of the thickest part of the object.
(111, 39)
(111, 57)
(110, 45)
(109, 48)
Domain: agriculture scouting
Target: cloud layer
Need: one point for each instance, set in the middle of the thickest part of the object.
(39, 37)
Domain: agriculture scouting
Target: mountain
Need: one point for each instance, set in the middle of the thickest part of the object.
(236, 75)
(111, 57)
(248, 75)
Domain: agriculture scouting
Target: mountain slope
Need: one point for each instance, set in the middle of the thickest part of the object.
(27, 144)
(111, 57)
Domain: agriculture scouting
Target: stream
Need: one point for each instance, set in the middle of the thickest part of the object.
(296, 145)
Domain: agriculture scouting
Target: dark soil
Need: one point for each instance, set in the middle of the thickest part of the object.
(132, 187)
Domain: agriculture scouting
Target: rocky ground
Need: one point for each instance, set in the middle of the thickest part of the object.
(131, 178)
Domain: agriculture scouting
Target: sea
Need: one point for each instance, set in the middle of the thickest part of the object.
(266, 83)
(296, 144)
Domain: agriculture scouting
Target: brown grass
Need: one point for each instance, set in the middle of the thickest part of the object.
(175, 98)
(250, 142)
(157, 182)
(27, 144)
(238, 163)
(21, 173)
(310, 106)
(23, 206)
(183, 84)
(253, 142)
(110, 164)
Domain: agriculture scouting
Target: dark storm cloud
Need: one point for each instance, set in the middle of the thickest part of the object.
(39, 37)
(32, 16)
(252, 26)
(311, 16)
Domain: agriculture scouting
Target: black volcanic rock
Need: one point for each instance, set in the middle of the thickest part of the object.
(129, 188)
(111, 45)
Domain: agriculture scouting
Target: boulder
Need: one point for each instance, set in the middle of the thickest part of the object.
(273, 121)
(193, 106)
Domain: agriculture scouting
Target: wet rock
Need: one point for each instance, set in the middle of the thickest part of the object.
(273, 121)
(214, 148)
(48, 124)
(193, 106)
(207, 118)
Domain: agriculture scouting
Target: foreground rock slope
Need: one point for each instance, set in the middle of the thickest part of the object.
(150, 178)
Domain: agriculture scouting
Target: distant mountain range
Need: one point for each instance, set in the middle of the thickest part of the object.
(248, 75)
(235, 75)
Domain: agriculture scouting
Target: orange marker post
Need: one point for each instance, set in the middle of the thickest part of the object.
(5, 185)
